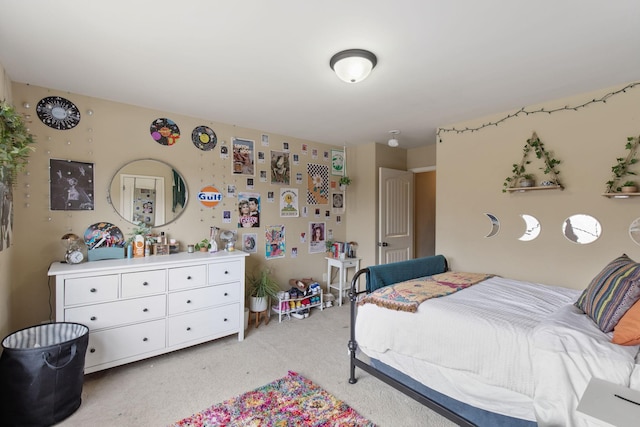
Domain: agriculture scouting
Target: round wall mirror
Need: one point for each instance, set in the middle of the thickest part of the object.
(581, 229)
(148, 191)
(634, 231)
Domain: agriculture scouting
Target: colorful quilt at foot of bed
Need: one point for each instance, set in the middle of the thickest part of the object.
(407, 295)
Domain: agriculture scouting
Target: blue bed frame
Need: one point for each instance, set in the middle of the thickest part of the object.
(454, 410)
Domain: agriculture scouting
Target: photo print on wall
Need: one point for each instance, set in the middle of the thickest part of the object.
(71, 185)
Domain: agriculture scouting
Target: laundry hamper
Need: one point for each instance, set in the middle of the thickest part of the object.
(41, 373)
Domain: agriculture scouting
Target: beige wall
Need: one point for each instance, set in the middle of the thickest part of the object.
(471, 170)
(5, 255)
(421, 157)
(362, 196)
(111, 137)
(425, 214)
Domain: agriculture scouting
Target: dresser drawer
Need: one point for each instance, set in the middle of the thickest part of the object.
(225, 272)
(86, 290)
(127, 341)
(118, 313)
(200, 324)
(187, 277)
(195, 299)
(143, 283)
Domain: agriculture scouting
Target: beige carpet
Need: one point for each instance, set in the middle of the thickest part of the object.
(165, 389)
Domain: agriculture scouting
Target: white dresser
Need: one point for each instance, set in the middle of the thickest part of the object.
(142, 307)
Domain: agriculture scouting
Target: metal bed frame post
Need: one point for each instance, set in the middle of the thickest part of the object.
(354, 361)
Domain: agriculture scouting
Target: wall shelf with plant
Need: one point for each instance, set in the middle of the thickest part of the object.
(615, 187)
(522, 181)
(15, 143)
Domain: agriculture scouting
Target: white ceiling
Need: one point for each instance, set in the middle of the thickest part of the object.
(264, 64)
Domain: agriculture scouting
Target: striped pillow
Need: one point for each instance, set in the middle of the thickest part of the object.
(611, 293)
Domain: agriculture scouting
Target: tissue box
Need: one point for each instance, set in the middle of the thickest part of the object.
(105, 253)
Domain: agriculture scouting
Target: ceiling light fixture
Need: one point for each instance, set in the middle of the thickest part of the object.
(353, 65)
(393, 142)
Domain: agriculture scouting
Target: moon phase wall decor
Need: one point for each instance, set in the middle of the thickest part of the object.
(495, 225)
(204, 138)
(532, 228)
(164, 131)
(58, 113)
(634, 231)
(581, 229)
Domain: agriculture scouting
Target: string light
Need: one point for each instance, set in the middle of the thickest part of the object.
(526, 112)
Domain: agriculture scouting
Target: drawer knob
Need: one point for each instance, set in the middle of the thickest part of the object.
(94, 318)
(145, 310)
(92, 350)
(226, 272)
(145, 339)
(94, 290)
(145, 283)
(226, 294)
(188, 328)
(188, 277)
(188, 301)
(225, 319)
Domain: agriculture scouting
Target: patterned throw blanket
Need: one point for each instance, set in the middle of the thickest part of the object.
(407, 296)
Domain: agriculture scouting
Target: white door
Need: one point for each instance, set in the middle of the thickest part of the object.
(130, 184)
(395, 229)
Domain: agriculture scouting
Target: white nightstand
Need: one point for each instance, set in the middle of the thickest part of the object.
(612, 403)
(342, 265)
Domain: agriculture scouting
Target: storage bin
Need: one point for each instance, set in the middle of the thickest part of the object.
(42, 373)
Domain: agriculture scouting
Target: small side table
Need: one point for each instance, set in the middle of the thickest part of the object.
(342, 265)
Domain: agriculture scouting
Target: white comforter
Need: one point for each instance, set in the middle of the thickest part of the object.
(568, 350)
(493, 342)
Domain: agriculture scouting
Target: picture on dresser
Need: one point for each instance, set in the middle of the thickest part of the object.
(71, 185)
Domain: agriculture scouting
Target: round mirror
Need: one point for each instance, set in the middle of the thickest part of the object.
(581, 229)
(634, 231)
(148, 191)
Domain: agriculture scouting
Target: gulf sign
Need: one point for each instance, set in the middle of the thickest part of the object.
(209, 196)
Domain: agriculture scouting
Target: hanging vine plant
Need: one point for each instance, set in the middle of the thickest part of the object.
(621, 168)
(519, 170)
(15, 143)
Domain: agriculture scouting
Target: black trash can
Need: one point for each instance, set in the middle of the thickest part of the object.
(42, 373)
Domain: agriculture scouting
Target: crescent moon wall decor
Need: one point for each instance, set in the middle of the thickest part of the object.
(495, 225)
(532, 228)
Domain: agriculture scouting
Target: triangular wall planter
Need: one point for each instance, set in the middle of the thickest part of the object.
(513, 183)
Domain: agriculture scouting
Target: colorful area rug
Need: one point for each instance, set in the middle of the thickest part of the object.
(289, 401)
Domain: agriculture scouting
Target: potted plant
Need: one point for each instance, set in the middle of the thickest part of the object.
(328, 244)
(203, 245)
(15, 143)
(344, 182)
(629, 187)
(260, 287)
(526, 180)
(622, 168)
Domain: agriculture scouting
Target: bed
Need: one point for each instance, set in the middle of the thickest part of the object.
(497, 352)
